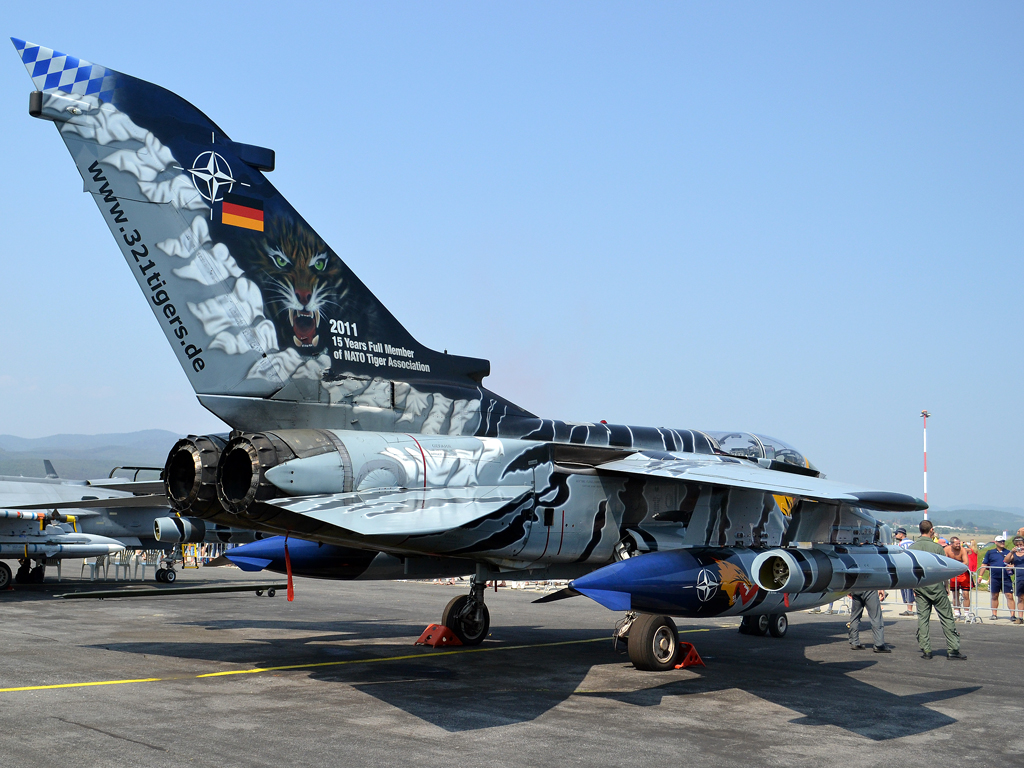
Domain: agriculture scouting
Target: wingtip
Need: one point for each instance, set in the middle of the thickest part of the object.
(889, 502)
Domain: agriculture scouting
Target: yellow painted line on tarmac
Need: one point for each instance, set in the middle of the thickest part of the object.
(318, 664)
(80, 685)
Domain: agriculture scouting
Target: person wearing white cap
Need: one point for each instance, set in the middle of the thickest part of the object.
(999, 581)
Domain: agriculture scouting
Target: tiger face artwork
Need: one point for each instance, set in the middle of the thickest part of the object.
(301, 280)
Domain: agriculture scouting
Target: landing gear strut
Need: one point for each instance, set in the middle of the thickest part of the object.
(466, 615)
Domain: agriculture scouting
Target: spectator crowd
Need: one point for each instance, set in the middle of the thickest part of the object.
(1001, 567)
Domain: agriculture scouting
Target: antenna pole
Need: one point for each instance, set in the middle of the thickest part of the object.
(925, 415)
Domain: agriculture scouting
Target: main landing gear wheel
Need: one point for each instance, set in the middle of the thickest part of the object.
(755, 625)
(166, 575)
(467, 618)
(653, 643)
(778, 623)
(6, 576)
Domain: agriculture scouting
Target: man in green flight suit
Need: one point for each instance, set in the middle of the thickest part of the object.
(934, 596)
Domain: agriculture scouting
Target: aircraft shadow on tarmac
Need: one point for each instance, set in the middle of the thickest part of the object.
(848, 703)
(462, 692)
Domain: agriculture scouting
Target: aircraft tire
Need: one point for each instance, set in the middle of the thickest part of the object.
(271, 592)
(170, 576)
(778, 623)
(469, 633)
(159, 576)
(761, 625)
(653, 643)
(6, 575)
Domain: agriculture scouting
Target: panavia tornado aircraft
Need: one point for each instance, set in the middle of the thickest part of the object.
(107, 518)
(348, 432)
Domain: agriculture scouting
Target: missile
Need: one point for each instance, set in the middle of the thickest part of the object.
(70, 545)
(706, 581)
(18, 514)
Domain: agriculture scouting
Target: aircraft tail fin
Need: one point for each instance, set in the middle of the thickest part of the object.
(50, 471)
(254, 303)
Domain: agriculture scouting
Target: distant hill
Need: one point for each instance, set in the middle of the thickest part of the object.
(973, 517)
(84, 457)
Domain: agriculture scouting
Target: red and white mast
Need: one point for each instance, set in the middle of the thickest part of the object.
(925, 415)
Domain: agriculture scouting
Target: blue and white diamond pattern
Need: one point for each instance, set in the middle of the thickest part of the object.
(50, 70)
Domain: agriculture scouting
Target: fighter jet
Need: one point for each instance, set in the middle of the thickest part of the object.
(46, 520)
(348, 431)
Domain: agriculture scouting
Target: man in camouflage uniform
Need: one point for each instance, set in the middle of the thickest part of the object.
(934, 596)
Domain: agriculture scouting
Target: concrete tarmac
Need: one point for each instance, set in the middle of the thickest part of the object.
(333, 679)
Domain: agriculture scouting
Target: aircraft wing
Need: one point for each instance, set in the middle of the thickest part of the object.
(114, 503)
(735, 473)
(403, 512)
(130, 486)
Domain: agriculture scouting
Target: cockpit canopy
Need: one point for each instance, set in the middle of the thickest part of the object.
(755, 447)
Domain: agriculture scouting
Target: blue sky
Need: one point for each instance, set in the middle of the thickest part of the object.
(802, 220)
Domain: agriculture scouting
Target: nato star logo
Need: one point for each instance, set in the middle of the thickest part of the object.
(211, 175)
(707, 586)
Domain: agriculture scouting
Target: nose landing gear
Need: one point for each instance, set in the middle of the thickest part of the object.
(653, 643)
(467, 615)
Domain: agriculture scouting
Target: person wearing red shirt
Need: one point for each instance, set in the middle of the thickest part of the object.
(961, 585)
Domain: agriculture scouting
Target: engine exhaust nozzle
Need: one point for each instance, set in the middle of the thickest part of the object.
(241, 472)
(190, 474)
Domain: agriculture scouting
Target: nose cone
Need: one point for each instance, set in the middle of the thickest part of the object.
(95, 540)
(654, 581)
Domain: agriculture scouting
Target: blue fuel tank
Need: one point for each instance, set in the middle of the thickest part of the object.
(309, 558)
(707, 581)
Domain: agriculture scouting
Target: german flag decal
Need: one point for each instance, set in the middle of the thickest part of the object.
(241, 211)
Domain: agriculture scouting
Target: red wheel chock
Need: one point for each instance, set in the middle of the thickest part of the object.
(690, 656)
(437, 636)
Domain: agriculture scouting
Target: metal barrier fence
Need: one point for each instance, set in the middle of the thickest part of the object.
(197, 555)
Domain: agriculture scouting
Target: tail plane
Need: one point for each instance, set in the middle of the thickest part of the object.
(266, 320)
